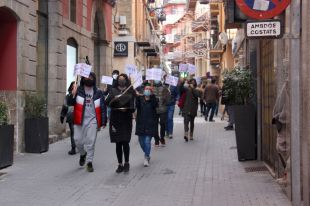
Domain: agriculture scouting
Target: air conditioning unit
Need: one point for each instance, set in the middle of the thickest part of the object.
(122, 32)
(122, 20)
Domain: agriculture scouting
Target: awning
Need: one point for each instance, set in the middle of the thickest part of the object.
(143, 44)
(149, 50)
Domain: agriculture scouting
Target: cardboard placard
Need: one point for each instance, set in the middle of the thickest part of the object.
(107, 80)
(154, 74)
(82, 69)
(171, 80)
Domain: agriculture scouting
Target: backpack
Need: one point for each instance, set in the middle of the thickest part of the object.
(182, 100)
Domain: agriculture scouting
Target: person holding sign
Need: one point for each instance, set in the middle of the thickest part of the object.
(121, 101)
(189, 110)
(146, 121)
(89, 115)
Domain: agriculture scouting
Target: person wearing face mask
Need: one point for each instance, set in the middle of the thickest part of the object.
(89, 116)
(189, 110)
(146, 121)
(108, 89)
(162, 93)
(121, 101)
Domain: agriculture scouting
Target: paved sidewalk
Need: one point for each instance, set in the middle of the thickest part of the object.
(203, 172)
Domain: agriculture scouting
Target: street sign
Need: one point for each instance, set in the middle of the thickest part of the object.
(262, 9)
(263, 29)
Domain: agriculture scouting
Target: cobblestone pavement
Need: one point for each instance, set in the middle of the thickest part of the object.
(203, 172)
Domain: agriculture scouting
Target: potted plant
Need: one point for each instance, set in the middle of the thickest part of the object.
(238, 90)
(36, 124)
(6, 137)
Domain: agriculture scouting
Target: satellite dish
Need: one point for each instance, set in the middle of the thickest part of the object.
(223, 38)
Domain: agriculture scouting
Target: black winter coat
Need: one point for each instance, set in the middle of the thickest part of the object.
(146, 120)
(120, 127)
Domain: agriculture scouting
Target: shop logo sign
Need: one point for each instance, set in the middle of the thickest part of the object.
(121, 49)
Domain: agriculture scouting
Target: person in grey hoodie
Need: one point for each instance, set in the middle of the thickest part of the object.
(89, 116)
(161, 92)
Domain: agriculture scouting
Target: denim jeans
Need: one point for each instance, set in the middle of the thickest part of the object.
(212, 107)
(169, 127)
(145, 143)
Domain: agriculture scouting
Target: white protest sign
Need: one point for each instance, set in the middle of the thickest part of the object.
(191, 69)
(82, 69)
(183, 67)
(131, 70)
(106, 80)
(154, 74)
(171, 80)
(137, 80)
(198, 80)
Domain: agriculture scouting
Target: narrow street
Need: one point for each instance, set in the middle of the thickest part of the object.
(198, 173)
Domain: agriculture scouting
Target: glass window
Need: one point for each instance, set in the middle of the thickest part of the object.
(73, 11)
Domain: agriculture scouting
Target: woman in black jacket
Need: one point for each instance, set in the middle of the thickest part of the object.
(146, 126)
(121, 102)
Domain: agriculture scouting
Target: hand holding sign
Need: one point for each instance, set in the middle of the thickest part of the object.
(191, 69)
(171, 80)
(106, 80)
(183, 67)
(154, 74)
(82, 69)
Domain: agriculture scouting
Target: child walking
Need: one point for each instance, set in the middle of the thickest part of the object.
(146, 126)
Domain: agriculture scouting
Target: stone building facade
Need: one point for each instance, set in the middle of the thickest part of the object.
(35, 35)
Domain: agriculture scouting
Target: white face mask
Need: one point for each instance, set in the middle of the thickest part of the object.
(114, 76)
(185, 85)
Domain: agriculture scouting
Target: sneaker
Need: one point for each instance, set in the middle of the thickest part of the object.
(212, 120)
(229, 127)
(82, 159)
(120, 168)
(162, 141)
(72, 152)
(146, 162)
(126, 167)
(186, 139)
(89, 167)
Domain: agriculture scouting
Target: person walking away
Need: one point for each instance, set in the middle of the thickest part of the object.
(211, 96)
(89, 116)
(146, 121)
(174, 95)
(202, 102)
(121, 101)
(190, 107)
(67, 112)
(162, 94)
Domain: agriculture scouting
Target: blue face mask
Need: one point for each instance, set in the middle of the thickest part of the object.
(147, 93)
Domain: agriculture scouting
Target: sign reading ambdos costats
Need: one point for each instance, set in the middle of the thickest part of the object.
(260, 29)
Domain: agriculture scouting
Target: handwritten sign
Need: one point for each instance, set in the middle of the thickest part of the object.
(82, 69)
(154, 74)
(191, 69)
(171, 80)
(183, 67)
(131, 70)
(198, 80)
(106, 80)
(137, 80)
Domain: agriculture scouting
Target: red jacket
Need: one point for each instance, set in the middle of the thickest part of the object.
(79, 106)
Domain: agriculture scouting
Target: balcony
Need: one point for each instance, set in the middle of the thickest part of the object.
(177, 38)
(216, 53)
(203, 44)
(200, 23)
(167, 2)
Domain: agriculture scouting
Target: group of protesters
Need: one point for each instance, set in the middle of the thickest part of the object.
(87, 109)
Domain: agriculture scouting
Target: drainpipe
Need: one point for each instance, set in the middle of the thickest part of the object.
(295, 100)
